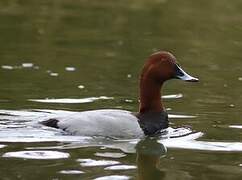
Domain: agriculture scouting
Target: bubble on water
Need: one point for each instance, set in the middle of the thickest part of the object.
(129, 75)
(7, 67)
(81, 86)
(120, 167)
(37, 155)
(27, 65)
(71, 172)
(128, 100)
(110, 155)
(91, 162)
(232, 105)
(172, 96)
(240, 78)
(113, 177)
(54, 74)
(70, 68)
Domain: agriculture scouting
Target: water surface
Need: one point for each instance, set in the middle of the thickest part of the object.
(63, 56)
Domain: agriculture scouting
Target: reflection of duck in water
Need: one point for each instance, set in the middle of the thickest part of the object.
(149, 153)
(150, 120)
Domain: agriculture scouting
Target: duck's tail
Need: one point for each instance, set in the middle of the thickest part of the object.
(51, 123)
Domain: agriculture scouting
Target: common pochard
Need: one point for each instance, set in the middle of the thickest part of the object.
(152, 117)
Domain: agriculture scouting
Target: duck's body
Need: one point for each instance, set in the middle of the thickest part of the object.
(150, 119)
(111, 122)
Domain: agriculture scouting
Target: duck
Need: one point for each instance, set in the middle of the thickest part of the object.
(151, 118)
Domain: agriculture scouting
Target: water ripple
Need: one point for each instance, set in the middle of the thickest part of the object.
(71, 172)
(23, 126)
(92, 163)
(2, 146)
(178, 116)
(236, 126)
(190, 142)
(120, 167)
(69, 100)
(36, 155)
(173, 96)
(90, 99)
(110, 155)
(113, 177)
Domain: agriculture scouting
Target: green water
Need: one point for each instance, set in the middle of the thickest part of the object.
(107, 42)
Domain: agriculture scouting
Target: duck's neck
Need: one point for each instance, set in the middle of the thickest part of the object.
(150, 96)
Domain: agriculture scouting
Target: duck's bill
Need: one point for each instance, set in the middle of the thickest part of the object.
(180, 74)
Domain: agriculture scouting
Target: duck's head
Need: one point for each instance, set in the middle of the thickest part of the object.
(162, 66)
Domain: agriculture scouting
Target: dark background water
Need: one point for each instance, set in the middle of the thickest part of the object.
(107, 42)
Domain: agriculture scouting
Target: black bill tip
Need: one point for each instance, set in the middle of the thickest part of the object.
(181, 74)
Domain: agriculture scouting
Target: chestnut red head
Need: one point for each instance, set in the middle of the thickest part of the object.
(162, 66)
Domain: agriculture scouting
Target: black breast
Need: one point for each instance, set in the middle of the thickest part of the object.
(153, 122)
